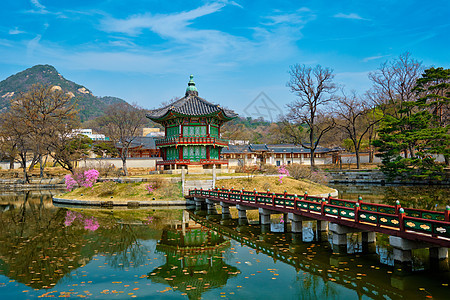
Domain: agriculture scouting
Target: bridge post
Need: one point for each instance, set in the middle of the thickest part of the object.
(339, 237)
(297, 224)
(264, 220)
(322, 225)
(439, 258)
(199, 203)
(322, 230)
(264, 216)
(242, 213)
(403, 251)
(368, 242)
(211, 207)
(225, 211)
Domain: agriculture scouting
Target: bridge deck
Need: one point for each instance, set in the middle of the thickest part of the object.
(413, 224)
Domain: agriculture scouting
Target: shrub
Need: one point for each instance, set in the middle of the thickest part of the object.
(107, 188)
(269, 169)
(82, 178)
(298, 171)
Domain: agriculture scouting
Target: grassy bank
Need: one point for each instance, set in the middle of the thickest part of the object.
(262, 183)
(161, 190)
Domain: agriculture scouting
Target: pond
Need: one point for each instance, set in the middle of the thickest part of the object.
(48, 251)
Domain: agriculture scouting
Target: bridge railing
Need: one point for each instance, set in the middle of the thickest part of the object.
(420, 221)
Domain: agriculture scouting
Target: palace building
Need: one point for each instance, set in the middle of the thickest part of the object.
(192, 132)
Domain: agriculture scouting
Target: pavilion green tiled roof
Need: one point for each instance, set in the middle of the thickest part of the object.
(191, 105)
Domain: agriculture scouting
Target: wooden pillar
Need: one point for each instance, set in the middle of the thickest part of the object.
(207, 151)
(180, 152)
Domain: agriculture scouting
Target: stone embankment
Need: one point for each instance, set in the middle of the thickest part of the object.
(34, 184)
(374, 177)
(129, 204)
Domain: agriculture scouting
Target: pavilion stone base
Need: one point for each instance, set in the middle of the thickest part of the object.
(195, 169)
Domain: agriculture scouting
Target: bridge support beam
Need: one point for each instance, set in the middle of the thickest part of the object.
(199, 202)
(368, 237)
(242, 213)
(322, 225)
(403, 251)
(339, 238)
(368, 242)
(297, 223)
(211, 207)
(225, 211)
(264, 219)
(439, 258)
(264, 216)
(439, 253)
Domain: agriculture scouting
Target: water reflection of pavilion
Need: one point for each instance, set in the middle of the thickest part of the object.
(316, 259)
(194, 260)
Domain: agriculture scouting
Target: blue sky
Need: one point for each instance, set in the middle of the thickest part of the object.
(144, 51)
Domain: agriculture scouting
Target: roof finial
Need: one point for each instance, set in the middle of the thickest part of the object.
(191, 89)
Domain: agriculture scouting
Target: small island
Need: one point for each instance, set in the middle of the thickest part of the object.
(158, 190)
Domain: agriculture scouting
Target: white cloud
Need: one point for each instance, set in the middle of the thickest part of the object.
(183, 47)
(32, 45)
(15, 31)
(38, 8)
(166, 25)
(374, 57)
(37, 4)
(271, 40)
(349, 16)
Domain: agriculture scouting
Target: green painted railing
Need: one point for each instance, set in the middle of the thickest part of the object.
(434, 223)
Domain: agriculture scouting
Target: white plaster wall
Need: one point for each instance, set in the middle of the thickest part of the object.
(145, 162)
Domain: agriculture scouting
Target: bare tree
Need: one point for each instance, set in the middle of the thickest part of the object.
(314, 89)
(16, 139)
(121, 123)
(33, 121)
(353, 117)
(394, 82)
(67, 148)
(393, 89)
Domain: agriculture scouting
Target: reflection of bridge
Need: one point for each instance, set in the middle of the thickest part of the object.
(310, 258)
(408, 228)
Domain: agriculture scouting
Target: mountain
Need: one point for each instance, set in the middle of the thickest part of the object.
(89, 106)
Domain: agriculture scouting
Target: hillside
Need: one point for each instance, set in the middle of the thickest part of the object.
(89, 106)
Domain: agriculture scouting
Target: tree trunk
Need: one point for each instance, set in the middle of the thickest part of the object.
(11, 164)
(124, 166)
(23, 158)
(42, 166)
(313, 162)
(33, 162)
(357, 158)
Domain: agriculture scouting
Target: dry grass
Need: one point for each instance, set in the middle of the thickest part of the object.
(110, 190)
(261, 183)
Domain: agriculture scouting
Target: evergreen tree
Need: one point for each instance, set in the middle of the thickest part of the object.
(421, 129)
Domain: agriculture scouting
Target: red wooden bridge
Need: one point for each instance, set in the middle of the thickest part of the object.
(413, 224)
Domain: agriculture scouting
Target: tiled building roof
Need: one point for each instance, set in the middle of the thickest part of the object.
(191, 105)
(279, 148)
(145, 142)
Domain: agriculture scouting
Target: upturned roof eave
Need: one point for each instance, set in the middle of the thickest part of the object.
(171, 113)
